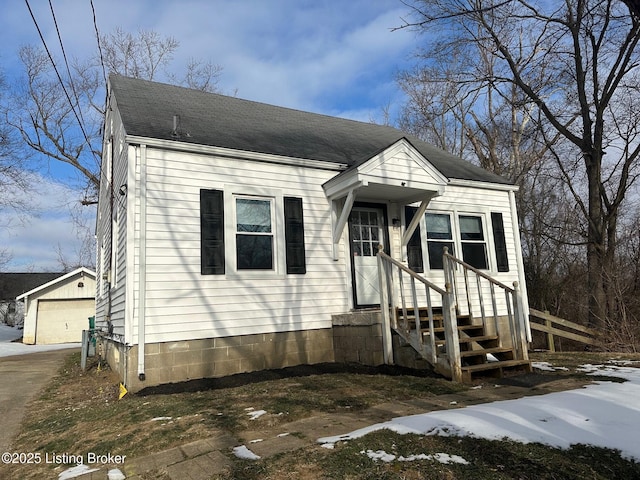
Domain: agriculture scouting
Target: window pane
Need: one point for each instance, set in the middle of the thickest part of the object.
(366, 249)
(355, 232)
(436, 250)
(254, 252)
(471, 228)
(438, 226)
(475, 255)
(253, 215)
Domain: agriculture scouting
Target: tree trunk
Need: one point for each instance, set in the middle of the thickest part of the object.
(596, 248)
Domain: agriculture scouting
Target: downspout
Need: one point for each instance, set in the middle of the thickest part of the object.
(142, 285)
(109, 279)
(521, 276)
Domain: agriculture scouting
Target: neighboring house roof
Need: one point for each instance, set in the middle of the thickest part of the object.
(148, 108)
(56, 280)
(14, 284)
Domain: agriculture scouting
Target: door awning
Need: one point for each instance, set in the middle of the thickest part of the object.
(399, 174)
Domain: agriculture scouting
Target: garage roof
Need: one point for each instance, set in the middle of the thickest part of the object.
(59, 279)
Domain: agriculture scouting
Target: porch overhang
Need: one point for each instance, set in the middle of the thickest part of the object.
(399, 174)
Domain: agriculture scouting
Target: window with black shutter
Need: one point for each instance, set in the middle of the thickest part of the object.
(212, 232)
(499, 241)
(294, 235)
(414, 247)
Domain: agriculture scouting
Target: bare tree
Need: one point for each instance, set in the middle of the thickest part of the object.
(13, 181)
(60, 116)
(577, 63)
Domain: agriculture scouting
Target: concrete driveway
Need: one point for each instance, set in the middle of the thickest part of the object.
(22, 377)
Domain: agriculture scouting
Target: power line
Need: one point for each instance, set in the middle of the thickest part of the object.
(55, 68)
(64, 55)
(73, 109)
(95, 26)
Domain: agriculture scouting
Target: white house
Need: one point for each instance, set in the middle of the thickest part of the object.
(58, 311)
(233, 235)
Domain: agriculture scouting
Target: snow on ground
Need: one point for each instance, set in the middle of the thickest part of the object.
(8, 347)
(603, 414)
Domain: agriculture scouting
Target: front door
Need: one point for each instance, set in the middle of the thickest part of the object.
(366, 231)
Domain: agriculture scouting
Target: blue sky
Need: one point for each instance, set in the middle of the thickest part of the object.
(333, 57)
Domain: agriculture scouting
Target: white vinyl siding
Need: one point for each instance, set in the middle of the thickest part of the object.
(180, 303)
(113, 221)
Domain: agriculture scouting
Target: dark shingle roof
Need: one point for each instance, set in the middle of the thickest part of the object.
(15, 284)
(148, 109)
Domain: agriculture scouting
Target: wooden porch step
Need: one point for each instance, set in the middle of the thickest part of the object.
(485, 351)
(481, 338)
(461, 328)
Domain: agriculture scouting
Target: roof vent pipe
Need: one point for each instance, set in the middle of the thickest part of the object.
(176, 122)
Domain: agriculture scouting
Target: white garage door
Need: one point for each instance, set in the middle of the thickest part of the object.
(62, 321)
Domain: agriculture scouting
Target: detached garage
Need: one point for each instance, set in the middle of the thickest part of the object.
(58, 311)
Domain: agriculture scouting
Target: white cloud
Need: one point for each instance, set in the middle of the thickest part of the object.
(34, 234)
(326, 56)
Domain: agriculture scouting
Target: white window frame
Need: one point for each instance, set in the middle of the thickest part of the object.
(425, 242)
(233, 192)
(484, 241)
(454, 220)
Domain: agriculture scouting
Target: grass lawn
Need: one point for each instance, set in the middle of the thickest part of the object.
(79, 412)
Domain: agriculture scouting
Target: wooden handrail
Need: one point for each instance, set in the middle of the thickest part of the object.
(413, 274)
(476, 271)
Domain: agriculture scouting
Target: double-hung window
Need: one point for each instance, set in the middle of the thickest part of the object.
(473, 242)
(466, 236)
(254, 233)
(439, 235)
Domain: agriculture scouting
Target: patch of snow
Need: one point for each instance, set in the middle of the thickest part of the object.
(544, 366)
(446, 458)
(76, 471)
(257, 440)
(115, 474)
(602, 414)
(245, 453)
(547, 367)
(282, 434)
(380, 455)
(438, 457)
(160, 419)
(329, 446)
(256, 414)
(624, 363)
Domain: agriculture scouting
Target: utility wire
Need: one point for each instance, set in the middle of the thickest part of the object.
(80, 124)
(55, 68)
(95, 26)
(64, 55)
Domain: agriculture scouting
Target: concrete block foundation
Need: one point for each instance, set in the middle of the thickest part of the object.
(172, 362)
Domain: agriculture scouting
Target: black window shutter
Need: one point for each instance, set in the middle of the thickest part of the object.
(499, 241)
(414, 247)
(212, 232)
(294, 235)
